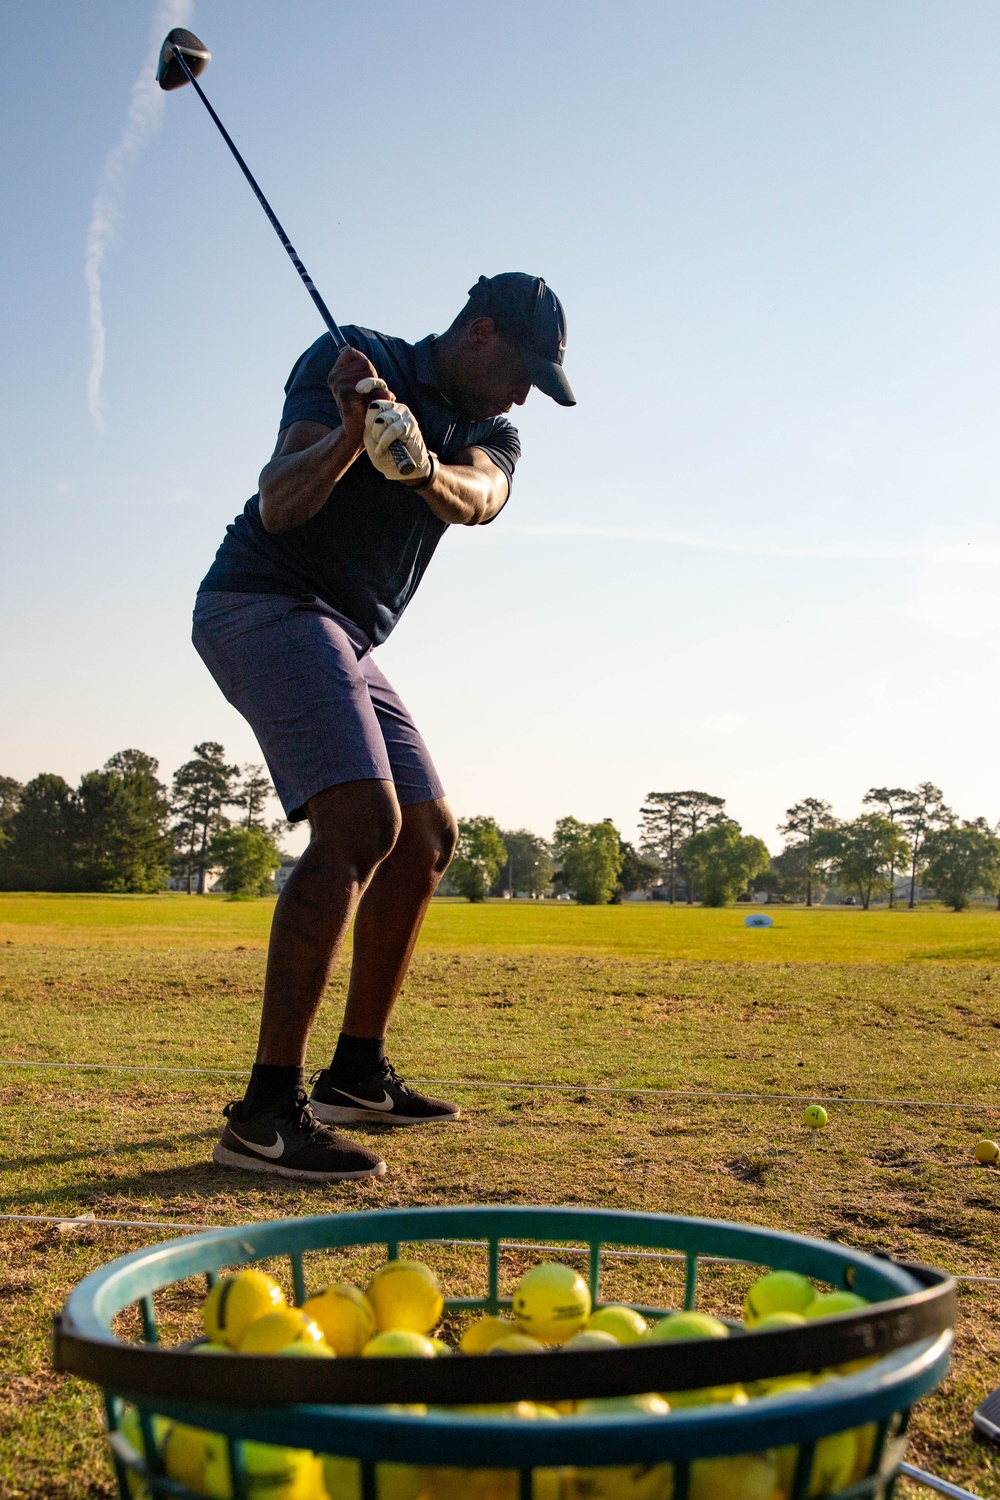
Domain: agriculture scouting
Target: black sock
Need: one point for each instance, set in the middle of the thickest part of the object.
(357, 1057)
(268, 1084)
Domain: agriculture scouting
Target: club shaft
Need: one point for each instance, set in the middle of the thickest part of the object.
(307, 281)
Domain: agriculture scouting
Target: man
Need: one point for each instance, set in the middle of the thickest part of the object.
(375, 459)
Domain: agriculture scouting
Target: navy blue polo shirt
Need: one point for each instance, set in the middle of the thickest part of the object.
(366, 551)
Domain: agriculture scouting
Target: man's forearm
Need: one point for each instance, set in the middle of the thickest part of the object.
(463, 495)
(294, 487)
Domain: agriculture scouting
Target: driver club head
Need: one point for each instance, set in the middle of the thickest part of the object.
(169, 73)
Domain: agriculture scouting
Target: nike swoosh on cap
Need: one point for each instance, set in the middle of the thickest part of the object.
(385, 1103)
(278, 1149)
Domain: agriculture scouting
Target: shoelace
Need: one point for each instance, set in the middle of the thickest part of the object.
(388, 1072)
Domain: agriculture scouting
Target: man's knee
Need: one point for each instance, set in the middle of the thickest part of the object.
(359, 821)
(431, 834)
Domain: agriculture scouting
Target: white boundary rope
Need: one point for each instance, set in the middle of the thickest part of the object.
(552, 1088)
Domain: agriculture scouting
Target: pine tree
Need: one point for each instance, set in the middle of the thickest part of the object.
(202, 787)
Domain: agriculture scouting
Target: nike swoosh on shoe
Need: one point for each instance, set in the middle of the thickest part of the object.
(384, 1103)
(278, 1149)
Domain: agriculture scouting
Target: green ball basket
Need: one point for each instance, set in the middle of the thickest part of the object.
(342, 1406)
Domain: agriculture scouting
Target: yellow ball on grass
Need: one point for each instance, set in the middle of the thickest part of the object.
(986, 1152)
(815, 1117)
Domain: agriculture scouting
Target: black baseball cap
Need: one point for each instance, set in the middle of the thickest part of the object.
(530, 313)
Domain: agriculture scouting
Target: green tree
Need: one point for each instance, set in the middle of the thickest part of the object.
(39, 853)
(480, 855)
(528, 866)
(122, 838)
(894, 801)
(202, 787)
(789, 875)
(924, 812)
(590, 858)
(637, 872)
(10, 801)
(251, 795)
(960, 860)
(701, 810)
(249, 858)
(801, 825)
(862, 852)
(723, 861)
(662, 830)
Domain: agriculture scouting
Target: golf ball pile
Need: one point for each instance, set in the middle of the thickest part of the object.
(551, 1310)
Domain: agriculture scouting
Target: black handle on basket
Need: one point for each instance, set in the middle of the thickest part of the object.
(141, 1371)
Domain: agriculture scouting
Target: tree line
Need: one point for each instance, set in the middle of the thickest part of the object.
(122, 830)
(691, 850)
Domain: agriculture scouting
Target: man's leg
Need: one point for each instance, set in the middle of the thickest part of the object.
(353, 827)
(359, 1084)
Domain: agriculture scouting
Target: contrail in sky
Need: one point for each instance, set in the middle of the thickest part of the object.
(143, 117)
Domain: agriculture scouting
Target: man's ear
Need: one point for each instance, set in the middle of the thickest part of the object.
(481, 331)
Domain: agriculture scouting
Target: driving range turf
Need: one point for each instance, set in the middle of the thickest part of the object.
(831, 1002)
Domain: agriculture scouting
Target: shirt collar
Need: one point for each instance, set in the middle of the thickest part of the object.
(425, 366)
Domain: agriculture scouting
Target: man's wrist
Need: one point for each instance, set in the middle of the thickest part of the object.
(422, 485)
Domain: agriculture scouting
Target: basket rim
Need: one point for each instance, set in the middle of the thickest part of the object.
(923, 1307)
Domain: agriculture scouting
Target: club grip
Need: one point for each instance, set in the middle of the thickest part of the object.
(404, 463)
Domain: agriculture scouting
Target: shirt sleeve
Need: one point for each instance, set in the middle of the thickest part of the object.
(503, 446)
(308, 398)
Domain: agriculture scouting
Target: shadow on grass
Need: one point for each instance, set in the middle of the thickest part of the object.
(60, 1159)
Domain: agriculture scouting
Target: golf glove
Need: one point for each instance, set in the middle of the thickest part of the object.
(392, 432)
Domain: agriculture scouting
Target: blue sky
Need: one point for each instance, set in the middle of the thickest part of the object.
(759, 557)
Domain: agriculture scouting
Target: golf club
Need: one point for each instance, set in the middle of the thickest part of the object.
(182, 58)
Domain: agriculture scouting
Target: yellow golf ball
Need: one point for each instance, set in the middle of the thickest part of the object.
(272, 1473)
(405, 1294)
(987, 1152)
(592, 1338)
(551, 1302)
(831, 1303)
(517, 1343)
(623, 1323)
(399, 1343)
(778, 1291)
(345, 1316)
(237, 1301)
(480, 1336)
(815, 1117)
(276, 1330)
(688, 1325)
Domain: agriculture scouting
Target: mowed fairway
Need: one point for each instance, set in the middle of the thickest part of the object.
(843, 1003)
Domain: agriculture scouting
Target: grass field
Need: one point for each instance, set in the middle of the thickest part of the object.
(841, 1003)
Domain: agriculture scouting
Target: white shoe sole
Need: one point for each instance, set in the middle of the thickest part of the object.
(343, 1114)
(223, 1157)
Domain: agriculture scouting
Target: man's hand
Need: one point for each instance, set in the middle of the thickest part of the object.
(352, 372)
(389, 422)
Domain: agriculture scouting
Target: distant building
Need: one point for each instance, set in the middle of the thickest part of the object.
(283, 871)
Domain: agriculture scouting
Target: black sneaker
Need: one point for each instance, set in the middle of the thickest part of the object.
(381, 1096)
(289, 1141)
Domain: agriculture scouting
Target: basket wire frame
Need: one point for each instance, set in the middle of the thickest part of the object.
(878, 1481)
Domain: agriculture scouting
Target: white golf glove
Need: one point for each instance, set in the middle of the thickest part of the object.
(392, 435)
